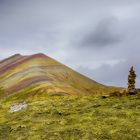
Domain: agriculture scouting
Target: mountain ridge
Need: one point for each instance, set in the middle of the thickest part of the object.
(19, 73)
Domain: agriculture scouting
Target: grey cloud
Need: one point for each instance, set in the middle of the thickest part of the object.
(115, 75)
(104, 34)
(72, 31)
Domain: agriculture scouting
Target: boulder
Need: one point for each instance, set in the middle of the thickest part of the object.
(17, 106)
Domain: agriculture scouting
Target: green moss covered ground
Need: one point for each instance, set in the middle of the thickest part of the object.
(72, 118)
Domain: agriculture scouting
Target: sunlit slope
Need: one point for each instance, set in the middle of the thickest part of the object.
(40, 74)
(72, 118)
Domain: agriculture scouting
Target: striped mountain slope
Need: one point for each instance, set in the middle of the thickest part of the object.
(40, 74)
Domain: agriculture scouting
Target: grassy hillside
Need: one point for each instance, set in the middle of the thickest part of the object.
(36, 74)
(41, 84)
(71, 118)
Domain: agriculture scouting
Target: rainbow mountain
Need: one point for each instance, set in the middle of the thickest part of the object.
(38, 74)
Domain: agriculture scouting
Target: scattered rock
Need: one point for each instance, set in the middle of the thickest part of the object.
(104, 96)
(17, 106)
(123, 92)
(133, 92)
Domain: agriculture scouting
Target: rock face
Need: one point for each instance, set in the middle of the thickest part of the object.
(18, 106)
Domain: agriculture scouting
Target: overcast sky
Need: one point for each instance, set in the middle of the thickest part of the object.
(99, 38)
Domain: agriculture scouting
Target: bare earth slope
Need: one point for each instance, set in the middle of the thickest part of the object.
(39, 74)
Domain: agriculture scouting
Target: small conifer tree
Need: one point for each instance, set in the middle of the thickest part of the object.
(131, 80)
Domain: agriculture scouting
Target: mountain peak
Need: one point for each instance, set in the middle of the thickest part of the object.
(17, 54)
(42, 73)
(11, 58)
(39, 55)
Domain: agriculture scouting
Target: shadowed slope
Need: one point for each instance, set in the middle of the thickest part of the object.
(10, 59)
(19, 73)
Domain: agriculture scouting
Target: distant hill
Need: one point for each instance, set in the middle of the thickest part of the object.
(38, 74)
